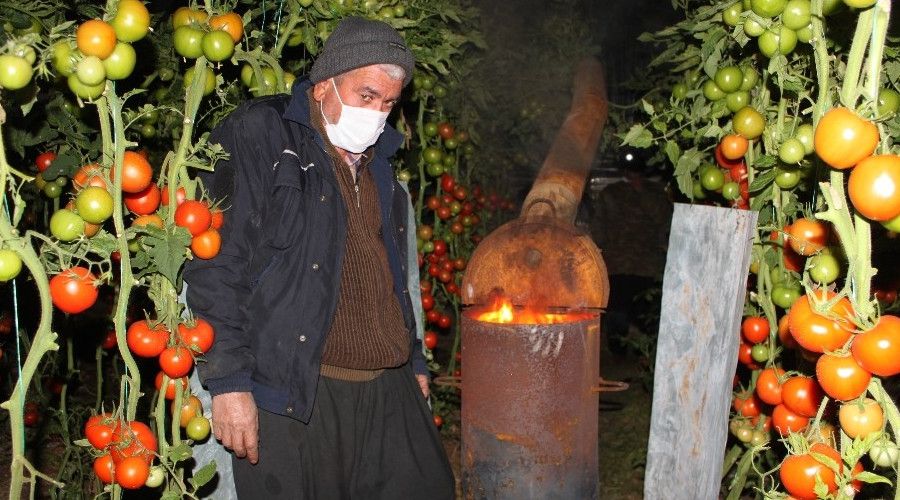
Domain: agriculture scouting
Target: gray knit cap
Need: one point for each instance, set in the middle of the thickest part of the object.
(358, 42)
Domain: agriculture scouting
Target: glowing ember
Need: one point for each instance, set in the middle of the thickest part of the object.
(503, 311)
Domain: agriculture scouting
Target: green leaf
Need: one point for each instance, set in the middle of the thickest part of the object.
(672, 152)
(179, 453)
(203, 476)
(871, 477)
(758, 202)
(648, 108)
(65, 164)
(82, 442)
(762, 180)
(638, 136)
(764, 161)
(170, 495)
(168, 253)
(685, 167)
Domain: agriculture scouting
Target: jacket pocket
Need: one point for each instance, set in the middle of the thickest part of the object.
(285, 219)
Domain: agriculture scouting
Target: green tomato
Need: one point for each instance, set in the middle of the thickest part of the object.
(750, 77)
(448, 161)
(148, 131)
(805, 33)
(451, 144)
(288, 79)
(824, 268)
(440, 91)
(892, 225)
(66, 225)
(61, 58)
(120, 64)
(805, 134)
(15, 72)
(198, 428)
(433, 155)
(759, 353)
(404, 176)
(166, 75)
(90, 71)
(156, 477)
(737, 100)
(767, 8)
(52, 190)
(860, 4)
(679, 91)
(399, 11)
(748, 122)
(217, 45)
(431, 129)
(62, 180)
(712, 91)
(791, 151)
(760, 437)
(247, 75)
(884, 453)
(712, 179)
(697, 191)
(753, 28)
(26, 52)
(434, 169)
(729, 78)
(831, 6)
(786, 178)
(189, 42)
(10, 264)
(732, 14)
(731, 191)
(796, 14)
(94, 204)
(208, 85)
(783, 41)
(888, 101)
(784, 296)
(85, 91)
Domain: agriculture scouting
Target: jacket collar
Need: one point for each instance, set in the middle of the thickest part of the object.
(298, 111)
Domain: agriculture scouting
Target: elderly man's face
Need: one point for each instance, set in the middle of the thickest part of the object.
(367, 87)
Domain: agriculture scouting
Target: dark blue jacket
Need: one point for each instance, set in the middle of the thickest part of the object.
(272, 291)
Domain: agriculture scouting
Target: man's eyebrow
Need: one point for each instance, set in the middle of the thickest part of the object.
(374, 93)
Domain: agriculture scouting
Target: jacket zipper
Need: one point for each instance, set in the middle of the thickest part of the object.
(356, 188)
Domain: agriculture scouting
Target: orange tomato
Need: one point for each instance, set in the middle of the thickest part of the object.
(843, 139)
(807, 236)
(784, 333)
(229, 22)
(819, 333)
(786, 421)
(90, 175)
(768, 385)
(96, 38)
(136, 173)
(874, 187)
(802, 395)
(148, 220)
(859, 419)
(206, 245)
(185, 15)
(734, 146)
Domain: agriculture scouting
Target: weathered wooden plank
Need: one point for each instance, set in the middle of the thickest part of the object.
(703, 295)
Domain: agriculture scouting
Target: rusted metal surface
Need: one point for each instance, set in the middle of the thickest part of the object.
(560, 182)
(541, 258)
(538, 261)
(529, 412)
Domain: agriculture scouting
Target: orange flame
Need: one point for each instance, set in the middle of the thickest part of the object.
(503, 311)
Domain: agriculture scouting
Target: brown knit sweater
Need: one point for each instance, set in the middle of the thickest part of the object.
(368, 332)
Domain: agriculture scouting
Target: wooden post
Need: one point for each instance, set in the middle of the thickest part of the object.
(704, 287)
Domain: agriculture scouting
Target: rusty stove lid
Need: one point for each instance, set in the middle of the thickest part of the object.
(538, 261)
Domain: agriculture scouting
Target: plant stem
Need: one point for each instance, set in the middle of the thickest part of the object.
(850, 87)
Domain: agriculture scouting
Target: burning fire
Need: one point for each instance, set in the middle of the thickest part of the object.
(502, 310)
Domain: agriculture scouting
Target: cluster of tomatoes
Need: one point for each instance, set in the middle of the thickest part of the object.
(203, 224)
(102, 50)
(199, 34)
(124, 451)
(782, 24)
(175, 352)
(440, 157)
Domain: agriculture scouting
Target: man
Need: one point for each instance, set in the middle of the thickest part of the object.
(317, 377)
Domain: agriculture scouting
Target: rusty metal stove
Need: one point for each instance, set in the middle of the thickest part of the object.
(534, 291)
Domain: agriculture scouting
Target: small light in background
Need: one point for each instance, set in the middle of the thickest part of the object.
(629, 157)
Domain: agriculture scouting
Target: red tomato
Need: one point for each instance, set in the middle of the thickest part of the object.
(755, 329)
(180, 195)
(786, 421)
(745, 356)
(134, 439)
(73, 290)
(447, 183)
(878, 350)
(802, 395)
(768, 385)
(172, 386)
(198, 338)
(109, 341)
(819, 333)
(194, 216)
(44, 160)
(146, 342)
(446, 130)
(747, 404)
(444, 321)
(217, 218)
(144, 202)
(104, 468)
(132, 472)
(176, 361)
(431, 339)
(98, 430)
(807, 236)
(841, 377)
(207, 244)
(799, 472)
(427, 302)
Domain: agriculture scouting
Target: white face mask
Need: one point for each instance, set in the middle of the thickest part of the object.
(357, 128)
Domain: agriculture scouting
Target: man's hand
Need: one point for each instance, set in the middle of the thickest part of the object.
(235, 423)
(423, 384)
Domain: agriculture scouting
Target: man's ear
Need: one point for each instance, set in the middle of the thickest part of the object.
(319, 90)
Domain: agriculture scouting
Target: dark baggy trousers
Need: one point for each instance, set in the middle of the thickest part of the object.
(365, 440)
